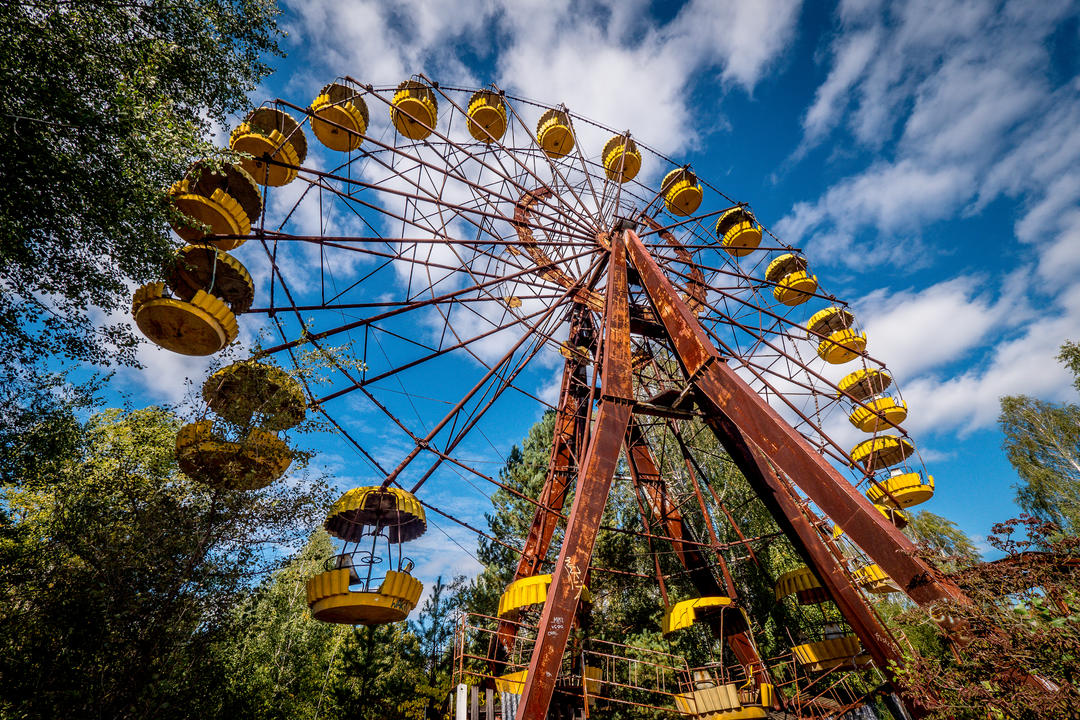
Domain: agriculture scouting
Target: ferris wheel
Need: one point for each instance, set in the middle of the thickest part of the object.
(457, 260)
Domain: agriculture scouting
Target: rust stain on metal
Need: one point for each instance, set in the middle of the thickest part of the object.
(594, 484)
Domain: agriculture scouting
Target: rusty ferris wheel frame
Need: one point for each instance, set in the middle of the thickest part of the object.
(560, 256)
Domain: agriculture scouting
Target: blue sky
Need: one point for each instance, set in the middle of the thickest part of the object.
(924, 154)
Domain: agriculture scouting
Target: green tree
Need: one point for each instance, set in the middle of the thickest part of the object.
(382, 667)
(434, 629)
(1042, 441)
(281, 662)
(944, 539)
(103, 105)
(119, 575)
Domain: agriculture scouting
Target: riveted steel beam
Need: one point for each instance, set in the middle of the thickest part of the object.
(590, 498)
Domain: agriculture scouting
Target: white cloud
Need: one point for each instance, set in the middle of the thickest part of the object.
(539, 49)
(954, 106)
(1008, 348)
(969, 89)
(919, 331)
(852, 57)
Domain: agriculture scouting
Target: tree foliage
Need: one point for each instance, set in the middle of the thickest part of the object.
(1020, 642)
(279, 662)
(943, 540)
(102, 107)
(119, 575)
(1042, 441)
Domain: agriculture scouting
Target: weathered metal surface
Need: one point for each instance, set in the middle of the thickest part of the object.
(568, 431)
(807, 540)
(594, 484)
(722, 393)
(646, 476)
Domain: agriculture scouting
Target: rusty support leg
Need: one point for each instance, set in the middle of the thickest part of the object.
(765, 448)
(806, 539)
(725, 395)
(568, 418)
(569, 426)
(594, 484)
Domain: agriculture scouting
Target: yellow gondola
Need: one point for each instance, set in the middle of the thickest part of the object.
(253, 462)
(738, 231)
(340, 117)
(907, 490)
(201, 267)
(250, 391)
(270, 134)
(681, 191)
(487, 116)
(864, 384)
(880, 452)
(873, 579)
(840, 343)
(793, 285)
(201, 326)
(685, 613)
(899, 518)
(514, 683)
(710, 698)
(845, 652)
(361, 518)
(414, 109)
(621, 158)
(554, 133)
(803, 583)
(880, 413)
(216, 200)
(526, 592)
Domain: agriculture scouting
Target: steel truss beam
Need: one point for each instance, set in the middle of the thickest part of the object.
(590, 498)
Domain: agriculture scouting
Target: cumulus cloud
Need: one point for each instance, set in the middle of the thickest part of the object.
(953, 105)
(640, 73)
(969, 90)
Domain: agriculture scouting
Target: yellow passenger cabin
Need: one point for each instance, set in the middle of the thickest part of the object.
(862, 385)
(709, 698)
(621, 158)
(878, 453)
(738, 231)
(361, 585)
(837, 341)
(529, 592)
(249, 391)
(793, 285)
(681, 192)
(202, 325)
(340, 117)
(254, 461)
(216, 203)
(901, 489)
(803, 584)
(873, 579)
(414, 109)
(275, 142)
(487, 116)
(554, 133)
(203, 267)
(897, 517)
(721, 611)
(844, 652)
(883, 412)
